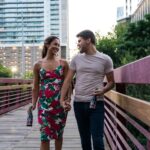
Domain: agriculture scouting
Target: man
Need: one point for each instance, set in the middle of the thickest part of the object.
(90, 67)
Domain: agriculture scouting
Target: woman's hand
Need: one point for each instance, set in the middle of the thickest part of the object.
(66, 105)
(33, 106)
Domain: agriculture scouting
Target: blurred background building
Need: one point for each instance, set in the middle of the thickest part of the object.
(24, 24)
(132, 10)
(142, 9)
(125, 9)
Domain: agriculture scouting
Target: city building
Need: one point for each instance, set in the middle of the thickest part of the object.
(142, 9)
(126, 9)
(24, 24)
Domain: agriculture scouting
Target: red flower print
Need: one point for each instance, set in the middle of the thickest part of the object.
(53, 75)
(47, 74)
(49, 93)
(40, 120)
(40, 93)
(47, 130)
(54, 103)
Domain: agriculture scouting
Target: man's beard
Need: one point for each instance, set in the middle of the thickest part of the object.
(82, 50)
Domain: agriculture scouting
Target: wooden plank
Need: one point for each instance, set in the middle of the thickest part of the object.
(15, 135)
(16, 81)
(138, 108)
(10, 87)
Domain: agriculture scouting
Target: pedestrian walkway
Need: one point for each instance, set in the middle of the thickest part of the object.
(15, 135)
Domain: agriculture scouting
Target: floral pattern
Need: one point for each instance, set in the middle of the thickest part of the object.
(51, 115)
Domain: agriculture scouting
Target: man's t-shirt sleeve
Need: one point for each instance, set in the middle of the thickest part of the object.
(73, 64)
(109, 65)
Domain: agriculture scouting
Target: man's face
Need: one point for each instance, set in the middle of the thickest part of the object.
(82, 44)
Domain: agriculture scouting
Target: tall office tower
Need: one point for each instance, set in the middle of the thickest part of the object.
(126, 8)
(24, 24)
(142, 9)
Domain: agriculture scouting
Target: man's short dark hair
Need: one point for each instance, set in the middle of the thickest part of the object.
(87, 34)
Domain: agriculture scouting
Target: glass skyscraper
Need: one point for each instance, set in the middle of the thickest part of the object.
(24, 24)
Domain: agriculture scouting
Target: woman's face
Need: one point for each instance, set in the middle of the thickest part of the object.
(54, 46)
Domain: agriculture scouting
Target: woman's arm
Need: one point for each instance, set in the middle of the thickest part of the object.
(35, 89)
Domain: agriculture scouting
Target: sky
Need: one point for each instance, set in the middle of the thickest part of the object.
(96, 15)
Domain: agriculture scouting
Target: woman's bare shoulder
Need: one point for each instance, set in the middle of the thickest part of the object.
(37, 64)
(64, 62)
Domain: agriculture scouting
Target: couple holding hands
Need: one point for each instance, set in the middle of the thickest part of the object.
(52, 91)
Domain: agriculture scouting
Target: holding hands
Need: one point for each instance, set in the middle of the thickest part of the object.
(66, 104)
(33, 106)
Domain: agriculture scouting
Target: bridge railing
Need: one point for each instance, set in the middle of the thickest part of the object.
(123, 113)
(14, 93)
(127, 119)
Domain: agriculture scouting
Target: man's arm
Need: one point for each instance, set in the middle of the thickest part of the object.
(110, 84)
(65, 87)
(66, 69)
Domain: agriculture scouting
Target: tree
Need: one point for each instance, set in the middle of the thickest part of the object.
(137, 38)
(5, 72)
(107, 45)
(113, 45)
(127, 43)
(28, 75)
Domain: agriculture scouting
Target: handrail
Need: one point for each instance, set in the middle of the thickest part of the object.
(121, 110)
(14, 93)
(138, 108)
(16, 81)
(124, 112)
(137, 72)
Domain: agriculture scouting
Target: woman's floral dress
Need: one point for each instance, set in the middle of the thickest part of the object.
(51, 115)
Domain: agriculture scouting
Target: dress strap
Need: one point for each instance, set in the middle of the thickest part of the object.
(60, 62)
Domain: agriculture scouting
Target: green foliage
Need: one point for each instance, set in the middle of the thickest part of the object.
(5, 72)
(28, 75)
(127, 58)
(128, 42)
(139, 91)
(113, 45)
(107, 45)
(137, 38)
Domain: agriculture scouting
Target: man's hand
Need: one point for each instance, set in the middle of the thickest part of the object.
(98, 92)
(66, 105)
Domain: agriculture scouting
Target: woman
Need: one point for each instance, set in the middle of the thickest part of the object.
(49, 74)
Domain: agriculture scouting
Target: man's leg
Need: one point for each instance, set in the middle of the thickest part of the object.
(97, 126)
(82, 117)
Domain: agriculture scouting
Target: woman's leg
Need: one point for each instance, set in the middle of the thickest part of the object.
(58, 144)
(44, 145)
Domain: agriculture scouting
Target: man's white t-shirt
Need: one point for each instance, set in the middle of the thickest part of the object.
(90, 72)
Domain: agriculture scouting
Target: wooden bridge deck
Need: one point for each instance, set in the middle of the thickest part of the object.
(15, 135)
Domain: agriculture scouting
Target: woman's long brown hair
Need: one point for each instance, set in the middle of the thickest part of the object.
(47, 41)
